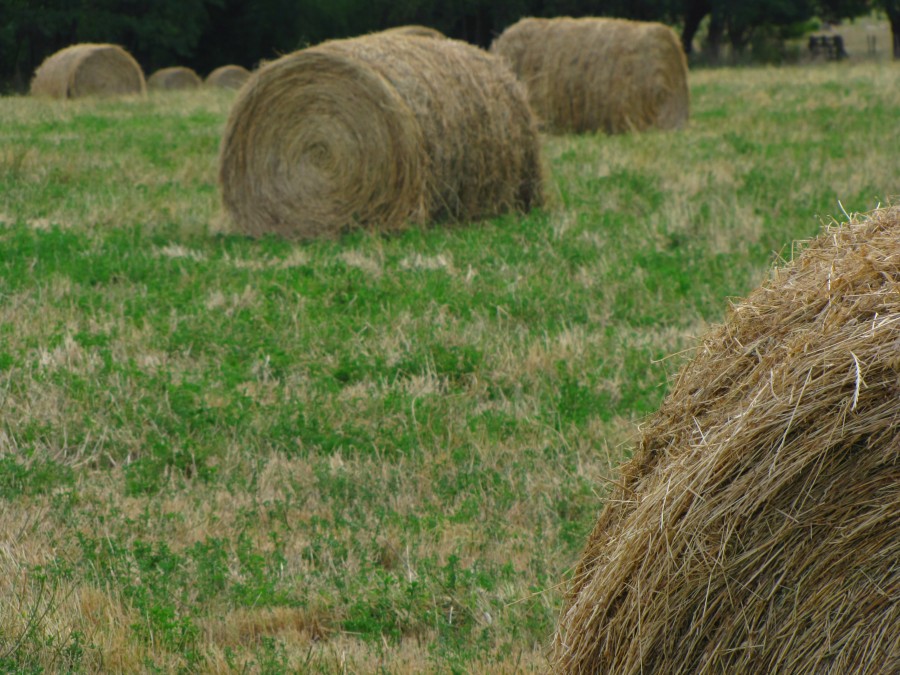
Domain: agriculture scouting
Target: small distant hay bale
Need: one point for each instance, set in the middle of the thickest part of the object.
(756, 530)
(413, 30)
(590, 74)
(228, 77)
(377, 132)
(176, 77)
(88, 70)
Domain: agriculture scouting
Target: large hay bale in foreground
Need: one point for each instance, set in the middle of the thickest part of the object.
(88, 70)
(376, 132)
(176, 77)
(593, 74)
(228, 77)
(756, 530)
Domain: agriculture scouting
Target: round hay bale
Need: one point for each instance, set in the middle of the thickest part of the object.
(414, 30)
(228, 77)
(591, 74)
(88, 70)
(376, 132)
(176, 77)
(756, 529)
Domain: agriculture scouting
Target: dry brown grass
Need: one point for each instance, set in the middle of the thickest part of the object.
(755, 530)
(32, 608)
(376, 132)
(176, 77)
(228, 77)
(88, 70)
(592, 74)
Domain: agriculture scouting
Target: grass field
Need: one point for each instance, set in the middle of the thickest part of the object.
(226, 455)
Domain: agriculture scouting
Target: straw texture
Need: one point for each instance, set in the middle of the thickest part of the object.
(376, 132)
(88, 70)
(415, 30)
(228, 77)
(176, 77)
(756, 530)
(590, 74)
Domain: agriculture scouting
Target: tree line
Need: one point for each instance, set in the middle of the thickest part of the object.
(204, 34)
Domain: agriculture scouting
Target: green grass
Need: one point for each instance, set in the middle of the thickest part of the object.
(378, 452)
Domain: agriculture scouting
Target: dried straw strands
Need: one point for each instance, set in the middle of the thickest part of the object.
(756, 530)
(176, 77)
(608, 75)
(415, 30)
(87, 70)
(375, 132)
(228, 77)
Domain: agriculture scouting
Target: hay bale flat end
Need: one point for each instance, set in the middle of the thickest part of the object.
(377, 132)
(88, 70)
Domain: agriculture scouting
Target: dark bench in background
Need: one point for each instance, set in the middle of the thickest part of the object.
(832, 47)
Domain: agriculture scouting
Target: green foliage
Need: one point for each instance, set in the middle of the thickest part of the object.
(169, 590)
(162, 462)
(32, 478)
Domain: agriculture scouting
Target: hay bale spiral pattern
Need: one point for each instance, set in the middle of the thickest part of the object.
(375, 132)
(756, 529)
(88, 70)
(590, 74)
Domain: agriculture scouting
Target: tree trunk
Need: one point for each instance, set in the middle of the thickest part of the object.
(739, 37)
(893, 12)
(716, 31)
(694, 11)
